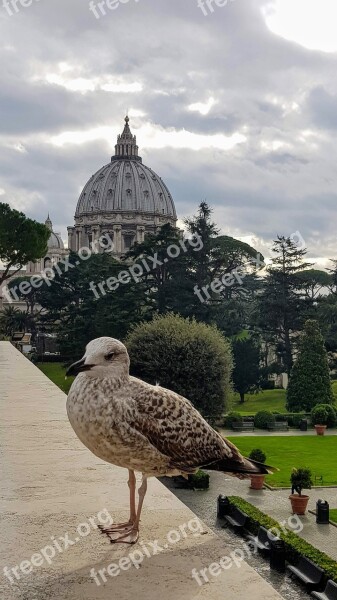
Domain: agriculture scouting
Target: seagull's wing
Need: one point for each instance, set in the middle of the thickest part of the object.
(177, 430)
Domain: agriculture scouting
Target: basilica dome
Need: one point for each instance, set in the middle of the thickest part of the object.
(55, 252)
(124, 198)
(55, 241)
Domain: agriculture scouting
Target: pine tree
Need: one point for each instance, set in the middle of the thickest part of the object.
(283, 309)
(309, 383)
(21, 240)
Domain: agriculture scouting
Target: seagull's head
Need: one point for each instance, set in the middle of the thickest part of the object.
(104, 357)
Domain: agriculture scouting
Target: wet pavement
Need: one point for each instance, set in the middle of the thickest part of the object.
(204, 505)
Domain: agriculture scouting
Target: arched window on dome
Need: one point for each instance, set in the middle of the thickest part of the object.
(47, 263)
(128, 241)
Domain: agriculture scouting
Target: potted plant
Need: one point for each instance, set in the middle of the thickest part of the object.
(257, 481)
(300, 480)
(319, 418)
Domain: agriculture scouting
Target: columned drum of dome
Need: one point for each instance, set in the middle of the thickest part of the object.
(124, 198)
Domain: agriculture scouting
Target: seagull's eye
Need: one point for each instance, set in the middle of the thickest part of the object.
(109, 356)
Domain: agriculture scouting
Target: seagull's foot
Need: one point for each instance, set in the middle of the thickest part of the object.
(116, 527)
(128, 536)
(121, 533)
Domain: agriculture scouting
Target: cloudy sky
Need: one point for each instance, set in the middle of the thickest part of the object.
(237, 106)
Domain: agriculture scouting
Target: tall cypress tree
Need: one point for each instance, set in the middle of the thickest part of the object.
(283, 309)
(310, 377)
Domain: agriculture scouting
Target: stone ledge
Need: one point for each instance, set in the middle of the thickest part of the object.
(51, 484)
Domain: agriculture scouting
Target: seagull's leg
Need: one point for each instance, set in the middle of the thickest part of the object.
(117, 527)
(131, 536)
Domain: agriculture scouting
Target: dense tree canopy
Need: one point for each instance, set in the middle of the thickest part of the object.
(21, 240)
(79, 310)
(199, 274)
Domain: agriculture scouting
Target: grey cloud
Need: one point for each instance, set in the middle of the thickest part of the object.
(180, 57)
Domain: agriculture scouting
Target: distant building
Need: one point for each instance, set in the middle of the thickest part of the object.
(124, 199)
(56, 252)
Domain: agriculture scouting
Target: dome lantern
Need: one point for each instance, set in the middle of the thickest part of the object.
(126, 146)
(48, 223)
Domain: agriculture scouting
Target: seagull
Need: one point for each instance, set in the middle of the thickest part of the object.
(144, 428)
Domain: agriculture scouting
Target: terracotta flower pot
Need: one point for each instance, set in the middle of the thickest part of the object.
(320, 429)
(298, 504)
(257, 482)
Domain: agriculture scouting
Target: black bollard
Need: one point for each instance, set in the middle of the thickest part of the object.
(277, 555)
(322, 512)
(223, 506)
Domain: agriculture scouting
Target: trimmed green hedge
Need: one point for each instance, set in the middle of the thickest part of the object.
(292, 418)
(263, 419)
(199, 481)
(295, 545)
(233, 417)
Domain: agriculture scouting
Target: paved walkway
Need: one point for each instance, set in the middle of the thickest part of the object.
(274, 503)
(262, 432)
(51, 490)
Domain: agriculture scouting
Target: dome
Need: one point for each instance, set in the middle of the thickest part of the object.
(55, 241)
(126, 185)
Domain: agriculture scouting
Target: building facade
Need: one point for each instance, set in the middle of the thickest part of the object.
(124, 199)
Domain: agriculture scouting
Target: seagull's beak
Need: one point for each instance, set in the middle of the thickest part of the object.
(78, 367)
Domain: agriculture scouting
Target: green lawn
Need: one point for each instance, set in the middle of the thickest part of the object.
(333, 515)
(285, 452)
(56, 372)
(274, 400)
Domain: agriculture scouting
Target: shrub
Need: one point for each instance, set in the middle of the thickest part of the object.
(295, 418)
(190, 358)
(232, 417)
(323, 414)
(199, 481)
(258, 455)
(267, 384)
(309, 382)
(263, 419)
(301, 479)
(294, 544)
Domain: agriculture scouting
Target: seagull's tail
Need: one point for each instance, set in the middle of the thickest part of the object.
(243, 468)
